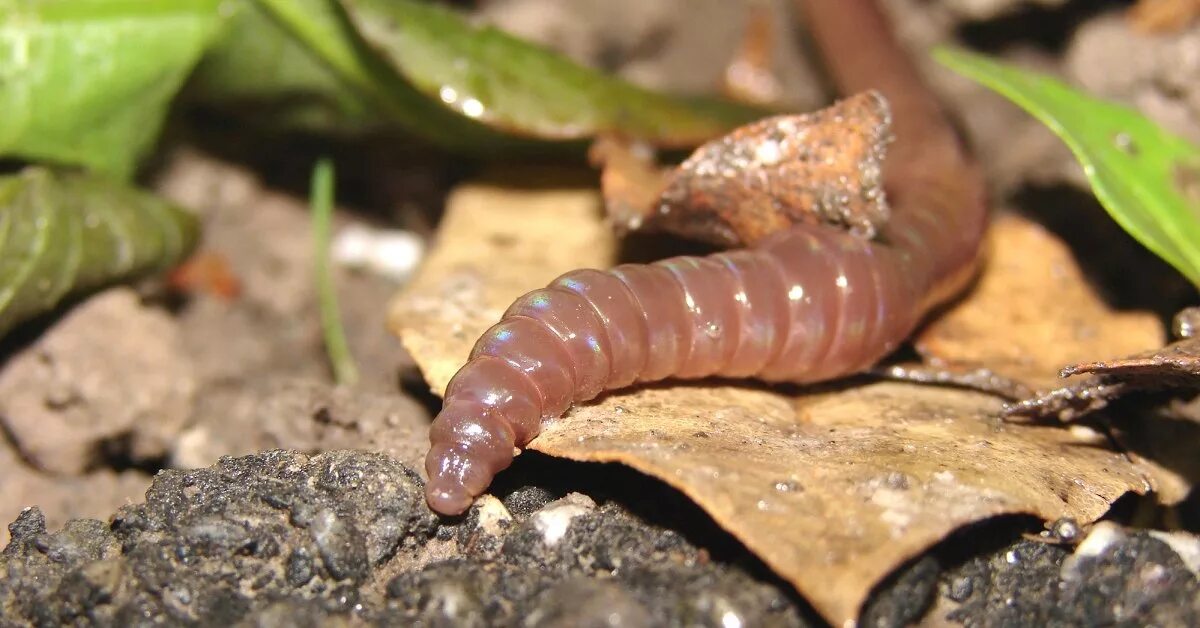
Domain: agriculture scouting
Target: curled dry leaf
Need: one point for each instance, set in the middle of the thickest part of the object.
(833, 490)
(750, 75)
(1164, 16)
(1033, 311)
(1176, 365)
(820, 167)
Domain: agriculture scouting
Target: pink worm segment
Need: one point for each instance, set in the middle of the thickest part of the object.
(808, 304)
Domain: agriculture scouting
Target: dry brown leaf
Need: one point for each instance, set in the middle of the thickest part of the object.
(750, 75)
(1032, 312)
(494, 244)
(1163, 16)
(832, 490)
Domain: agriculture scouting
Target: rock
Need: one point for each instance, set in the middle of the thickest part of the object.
(1113, 578)
(281, 538)
(112, 373)
(345, 538)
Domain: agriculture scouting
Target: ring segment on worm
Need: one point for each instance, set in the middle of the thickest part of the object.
(805, 304)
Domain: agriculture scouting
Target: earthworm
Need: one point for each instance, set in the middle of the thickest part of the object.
(805, 304)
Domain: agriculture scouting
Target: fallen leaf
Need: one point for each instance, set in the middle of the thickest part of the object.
(833, 490)
(206, 272)
(494, 244)
(630, 179)
(1163, 16)
(1032, 311)
(750, 75)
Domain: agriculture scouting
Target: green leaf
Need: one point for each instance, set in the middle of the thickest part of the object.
(88, 82)
(66, 234)
(260, 68)
(524, 96)
(524, 89)
(1143, 175)
(321, 26)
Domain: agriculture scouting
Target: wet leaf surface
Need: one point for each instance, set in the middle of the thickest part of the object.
(508, 84)
(833, 487)
(1032, 311)
(1132, 163)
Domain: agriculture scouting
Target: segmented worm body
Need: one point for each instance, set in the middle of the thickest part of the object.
(806, 304)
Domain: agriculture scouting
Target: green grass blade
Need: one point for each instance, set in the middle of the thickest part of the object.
(321, 201)
(1143, 175)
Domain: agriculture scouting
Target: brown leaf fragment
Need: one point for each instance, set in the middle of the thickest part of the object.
(1032, 311)
(1163, 16)
(936, 373)
(750, 77)
(630, 180)
(833, 490)
(1176, 365)
(494, 244)
(1187, 181)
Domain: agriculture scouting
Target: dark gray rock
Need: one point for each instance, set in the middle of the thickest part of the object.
(282, 538)
(1132, 579)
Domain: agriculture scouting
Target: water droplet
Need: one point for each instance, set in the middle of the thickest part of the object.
(1124, 142)
(786, 486)
(713, 330)
(448, 94)
(768, 153)
(472, 108)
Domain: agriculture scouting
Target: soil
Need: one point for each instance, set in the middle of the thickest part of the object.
(191, 461)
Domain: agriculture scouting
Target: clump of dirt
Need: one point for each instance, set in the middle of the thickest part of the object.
(346, 536)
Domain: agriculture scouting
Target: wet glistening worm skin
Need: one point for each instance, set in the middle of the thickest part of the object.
(806, 304)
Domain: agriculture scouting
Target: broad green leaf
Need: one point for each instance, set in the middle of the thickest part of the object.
(508, 94)
(321, 26)
(259, 67)
(523, 89)
(89, 81)
(66, 234)
(1144, 176)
